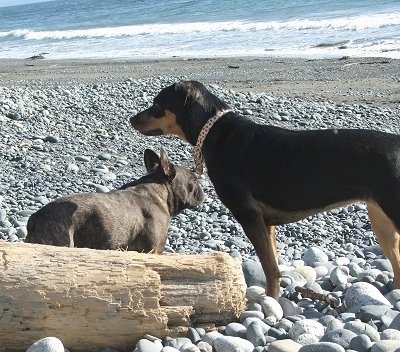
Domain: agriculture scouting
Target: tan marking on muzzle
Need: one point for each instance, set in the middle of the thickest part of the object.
(170, 125)
(144, 122)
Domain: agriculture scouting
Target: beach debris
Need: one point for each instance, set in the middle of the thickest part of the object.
(334, 302)
(37, 56)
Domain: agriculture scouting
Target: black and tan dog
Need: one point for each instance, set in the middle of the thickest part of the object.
(269, 176)
(134, 217)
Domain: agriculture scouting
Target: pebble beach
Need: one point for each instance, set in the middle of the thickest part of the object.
(64, 129)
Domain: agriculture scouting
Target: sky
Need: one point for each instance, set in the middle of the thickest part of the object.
(4, 3)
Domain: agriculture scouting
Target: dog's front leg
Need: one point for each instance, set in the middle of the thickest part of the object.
(264, 241)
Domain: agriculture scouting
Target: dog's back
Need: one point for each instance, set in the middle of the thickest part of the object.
(134, 217)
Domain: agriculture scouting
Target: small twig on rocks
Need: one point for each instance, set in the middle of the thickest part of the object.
(328, 298)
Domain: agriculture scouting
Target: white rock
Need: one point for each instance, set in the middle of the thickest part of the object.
(307, 339)
(321, 271)
(230, 343)
(271, 307)
(47, 344)
(363, 293)
(307, 272)
(306, 326)
(314, 254)
(255, 293)
(339, 275)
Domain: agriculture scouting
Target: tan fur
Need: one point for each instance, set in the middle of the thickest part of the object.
(388, 237)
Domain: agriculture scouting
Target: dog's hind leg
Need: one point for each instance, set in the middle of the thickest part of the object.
(388, 235)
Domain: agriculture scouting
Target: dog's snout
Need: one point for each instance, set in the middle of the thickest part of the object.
(132, 120)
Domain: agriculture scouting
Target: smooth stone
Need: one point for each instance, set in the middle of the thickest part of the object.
(341, 337)
(307, 339)
(360, 343)
(289, 308)
(253, 273)
(235, 329)
(255, 293)
(314, 254)
(251, 314)
(189, 347)
(258, 321)
(232, 343)
(341, 261)
(371, 312)
(47, 344)
(211, 336)
(169, 349)
(293, 278)
(177, 342)
(104, 156)
(204, 346)
(108, 177)
(390, 334)
(72, 168)
(321, 271)
(382, 265)
(307, 272)
(278, 334)
(363, 293)
(354, 269)
(284, 346)
(386, 346)
(339, 275)
(395, 323)
(326, 319)
(102, 189)
(306, 326)
(145, 345)
(255, 334)
(389, 316)
(271, 307)
(393, 296)
(358, 327)
(52, 139)
(82, 158)
(322, 347)
(193, 335)
(370, 272)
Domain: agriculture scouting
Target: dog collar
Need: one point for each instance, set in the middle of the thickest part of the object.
(196, 152)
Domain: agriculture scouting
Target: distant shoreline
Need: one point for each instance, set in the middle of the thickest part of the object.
(348, 80)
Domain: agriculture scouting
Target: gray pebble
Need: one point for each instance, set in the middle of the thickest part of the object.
(360, 343)
(341, 337)
(322, 347)
(359, 327)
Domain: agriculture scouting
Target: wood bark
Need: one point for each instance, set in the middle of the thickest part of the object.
(93, 299)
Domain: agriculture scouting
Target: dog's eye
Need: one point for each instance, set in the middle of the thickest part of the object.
(157, 110)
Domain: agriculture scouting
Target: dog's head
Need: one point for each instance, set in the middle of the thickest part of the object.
(183, 184)
(180, 109)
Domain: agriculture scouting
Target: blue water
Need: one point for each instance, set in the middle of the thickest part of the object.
(143, 29)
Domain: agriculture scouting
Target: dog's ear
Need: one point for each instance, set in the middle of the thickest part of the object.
(151, 160)
(188, 91)
(167, 168)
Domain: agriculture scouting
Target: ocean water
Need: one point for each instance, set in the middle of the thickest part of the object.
(155, 29)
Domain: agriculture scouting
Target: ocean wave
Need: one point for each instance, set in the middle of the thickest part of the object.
(355, 23)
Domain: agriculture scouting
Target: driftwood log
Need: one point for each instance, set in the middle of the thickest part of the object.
(93, 299)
